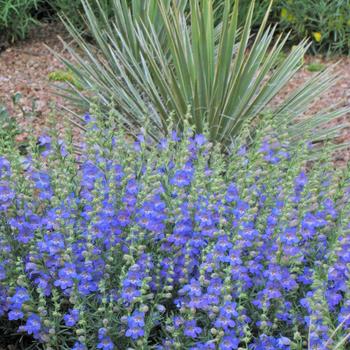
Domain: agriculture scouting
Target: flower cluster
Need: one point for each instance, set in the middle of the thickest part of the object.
(176, 246)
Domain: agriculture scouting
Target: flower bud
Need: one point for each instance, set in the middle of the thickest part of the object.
(215, 309)
(170, 329)
(80, 331)
(297, 336)
(144, 308)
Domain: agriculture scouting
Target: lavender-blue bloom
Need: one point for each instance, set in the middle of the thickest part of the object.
(191, 329)
(173, 246)
(33, 325)
(79, 346)
(71, 318)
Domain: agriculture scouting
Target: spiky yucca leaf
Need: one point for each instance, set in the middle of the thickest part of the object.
(158, 58)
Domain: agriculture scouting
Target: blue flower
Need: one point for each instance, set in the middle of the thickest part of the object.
(105, 343)
(45, 143)
(200, 139)
(21, 296)
(229, 309)
(44, 140)
(15, 314)
(191, 329)
(33, 325)
(174, 136)
(224, 322)
(6, 195)
(270, 343)
(192, 289)
(203, 346)
(5, 168)
(118, 172)
(137, 319)
(79, 346)
(135, 333)
(300, 182)
(229, 342)
(289, 236)
(182, 178)
(66, 275)
(52, 244)
(136, 323)
(71, 318)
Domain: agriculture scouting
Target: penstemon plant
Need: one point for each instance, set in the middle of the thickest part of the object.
(134, 245)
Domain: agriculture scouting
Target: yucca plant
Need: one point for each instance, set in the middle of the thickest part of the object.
(157, 58)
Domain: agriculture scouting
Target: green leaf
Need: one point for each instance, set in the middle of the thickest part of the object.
(158, 58)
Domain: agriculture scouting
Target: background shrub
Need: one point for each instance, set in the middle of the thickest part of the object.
(73, 10)
(174, 245)
(327, 22)
(16, 18)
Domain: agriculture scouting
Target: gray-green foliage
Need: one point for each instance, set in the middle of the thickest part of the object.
(12, 134)
(160, 58)
(8, 130)
(9, 127)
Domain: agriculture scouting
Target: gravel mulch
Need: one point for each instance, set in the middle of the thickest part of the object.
(25, 66)
(338, 94)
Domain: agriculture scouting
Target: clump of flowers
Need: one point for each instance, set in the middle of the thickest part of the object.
(175, 246)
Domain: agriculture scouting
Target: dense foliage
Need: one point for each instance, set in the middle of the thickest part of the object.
(174, 246)
(327, 22)
(73, 10)
(8, 130)
(16, 17)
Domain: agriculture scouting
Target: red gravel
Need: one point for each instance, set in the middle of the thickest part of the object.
(24, 68)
